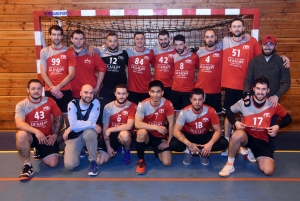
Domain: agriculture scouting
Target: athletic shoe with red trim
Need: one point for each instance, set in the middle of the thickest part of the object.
(141, 167)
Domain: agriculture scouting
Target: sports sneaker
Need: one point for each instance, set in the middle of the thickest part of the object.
(243, 151)
(227, 169)
(141, 167)
(36, 155)
(203, 161)
(126, 158)
(187, 158)
(27, 171)
(250, 156)
(82, 154)
(224, 153)
(120, 149)
(93, 169)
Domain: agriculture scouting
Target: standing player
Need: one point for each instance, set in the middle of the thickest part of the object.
(192, 130)
(163, 62)
(210, 70)
(139, 70)
(58, 69)
(185, 63)
(118, 121)
(33, 119)
(255, 128)
(87, 66)
(150, 119)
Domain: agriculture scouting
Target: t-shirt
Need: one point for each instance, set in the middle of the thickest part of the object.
(258, 119)
(210, 69)
(86, 68)
(139, 70)
(236, 57)
(163, 65)
(197, 123)
(184, 76)
(57, 62)
(38, 115)
(155, 115)
(116, 116)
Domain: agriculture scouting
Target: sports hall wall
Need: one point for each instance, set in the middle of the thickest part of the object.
(17, 47)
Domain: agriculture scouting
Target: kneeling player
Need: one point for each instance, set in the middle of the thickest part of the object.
(150, 119)
(118, 121)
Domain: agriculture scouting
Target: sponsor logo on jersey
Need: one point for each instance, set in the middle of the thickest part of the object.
(205, 119)
(267, 114)
(46, 108)
(121, 57)
(146, 57)
(188, 61)
(216, 55)
(87, 61)
(124, 113)
(161, 111)
(63, 56)
(246, 47)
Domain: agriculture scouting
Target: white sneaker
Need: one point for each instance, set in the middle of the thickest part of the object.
(227, 169)
(224, 153)
(250, 156)
(243, 151)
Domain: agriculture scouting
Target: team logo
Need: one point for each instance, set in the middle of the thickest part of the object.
(87, 61)
(46, 108)
(121, 57)
(63, 57)
(246, 47)
(205, 119)
(267, 115)
(124, 113)
(216, 55)
(188, 61)
(161, 111)
(170, 56)
(146, 57)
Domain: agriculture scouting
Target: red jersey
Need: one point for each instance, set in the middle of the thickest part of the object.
(139, 70)
(184, 76)
(116, 116)
(164, 65)
(197, 124)
(86, 68)
(38, 115)
(258, 119)
(155, 115)
(236, 57)
(210, 70)
(58, 62)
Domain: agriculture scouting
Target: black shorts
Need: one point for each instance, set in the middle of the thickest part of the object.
(259, 147)
(114, 142)
(180, 100)
(231, 97)
(137, 97)
(64, 101)
(168, 93)
(215, 101)
(44, 150)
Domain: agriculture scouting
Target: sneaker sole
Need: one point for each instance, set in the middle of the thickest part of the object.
(92, 174)
(226, 175)
(186, 163)
(37, 159)
(140, 173)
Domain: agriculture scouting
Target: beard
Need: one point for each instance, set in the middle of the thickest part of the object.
(77, 47)
(56, 43)
(268, 54)
(238, 35)
(86, 100)
(113, 49)
(180, 51)
(210, 43)
(164, 45)
(35, 98)
(259, 99)
(121, 102)
(197, 109)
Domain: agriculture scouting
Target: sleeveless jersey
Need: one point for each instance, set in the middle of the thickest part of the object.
(184, 76)
(210, 69)
(155, 115)
(258, 119)
(116, 116)
(236, 57)
(38, 115)
(139, 70)
(197, 124)
(164, 65)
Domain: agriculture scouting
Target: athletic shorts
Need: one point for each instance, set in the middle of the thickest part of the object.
(215, 101)
(231, 97)
(168, 93)
(137, 97)
(64, 101)
(180, 100)
(44, 150)
(259, 147)
(114, 142)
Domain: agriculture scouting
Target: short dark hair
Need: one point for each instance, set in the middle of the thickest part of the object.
(179, 37)
(197, 91)
(237, 19)
(262, 80)
(163, 32)
(33, 81)
(111, 34)
(156, 83)
(56, 28)
(77, 31)
(138, 32)
(210, 30)
(123, 86)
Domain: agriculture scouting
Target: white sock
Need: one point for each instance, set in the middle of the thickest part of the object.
(231, 160)
(186, 150)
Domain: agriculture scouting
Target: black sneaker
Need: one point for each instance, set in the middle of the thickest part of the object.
(27, 171)
(36, 155)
